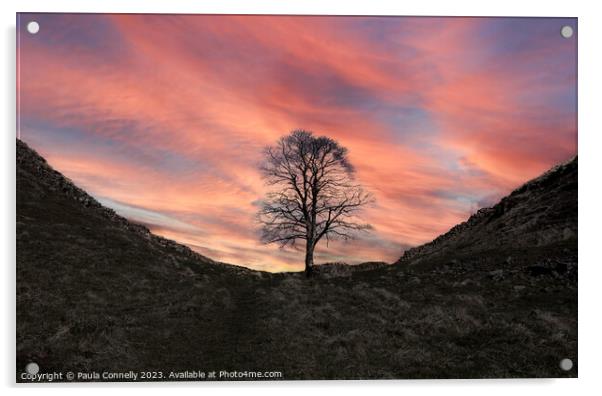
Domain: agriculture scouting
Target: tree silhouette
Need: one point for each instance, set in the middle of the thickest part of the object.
(314, 196)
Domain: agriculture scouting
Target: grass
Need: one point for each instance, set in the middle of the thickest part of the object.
(93, 295)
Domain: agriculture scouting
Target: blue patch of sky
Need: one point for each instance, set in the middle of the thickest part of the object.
(76, 34)
(68, 140)
(510, 36)
(409, 125)
(535, 52)
(148, 217)
(521, 42)
(464, 199)
(388, 33)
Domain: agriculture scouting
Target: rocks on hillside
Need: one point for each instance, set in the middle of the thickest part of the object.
(336, 270)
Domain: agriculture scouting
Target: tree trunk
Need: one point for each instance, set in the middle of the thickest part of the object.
(309, 258)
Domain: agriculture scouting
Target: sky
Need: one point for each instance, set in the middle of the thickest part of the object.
(164, 117)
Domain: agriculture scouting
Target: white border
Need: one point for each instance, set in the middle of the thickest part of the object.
(590, 129)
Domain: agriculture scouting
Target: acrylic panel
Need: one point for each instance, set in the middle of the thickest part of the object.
(239, 197)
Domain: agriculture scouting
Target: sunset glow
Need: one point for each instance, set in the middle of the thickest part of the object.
(164, 117)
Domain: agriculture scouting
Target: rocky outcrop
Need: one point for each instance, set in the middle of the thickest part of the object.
(336, 270)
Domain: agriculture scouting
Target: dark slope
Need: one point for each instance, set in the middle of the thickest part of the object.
(95, 292)
(542, 213)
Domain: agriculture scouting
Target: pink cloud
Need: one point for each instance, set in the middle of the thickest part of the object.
(186, 107)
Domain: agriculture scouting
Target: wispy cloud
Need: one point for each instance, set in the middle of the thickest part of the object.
(164, 117)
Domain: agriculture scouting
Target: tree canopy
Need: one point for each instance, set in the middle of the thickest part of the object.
(314, 195)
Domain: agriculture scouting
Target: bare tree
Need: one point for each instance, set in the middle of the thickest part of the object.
(314, 195)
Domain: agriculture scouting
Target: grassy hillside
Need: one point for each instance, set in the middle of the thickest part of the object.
(498, 298)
